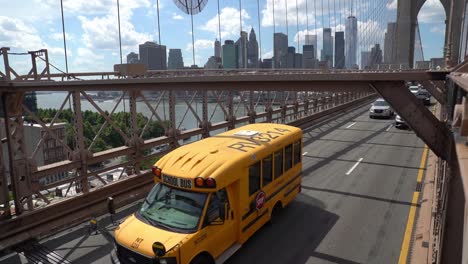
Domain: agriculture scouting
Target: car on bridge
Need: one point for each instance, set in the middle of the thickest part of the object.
(421, 93)
(400, 122)
(380, 108)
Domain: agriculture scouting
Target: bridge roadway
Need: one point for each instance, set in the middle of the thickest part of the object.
(343, 215)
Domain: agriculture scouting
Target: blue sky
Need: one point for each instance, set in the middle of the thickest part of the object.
(92, 36)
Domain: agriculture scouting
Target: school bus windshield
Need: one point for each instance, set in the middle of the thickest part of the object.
(172, 209)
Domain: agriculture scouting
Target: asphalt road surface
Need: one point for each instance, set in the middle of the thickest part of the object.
(359, 177)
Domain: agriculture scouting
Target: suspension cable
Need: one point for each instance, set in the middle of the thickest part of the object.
(159, 35)
(297, 23)
(259, 31)
(120, 37)
(64, 38)
(219, 25)
(307, 24)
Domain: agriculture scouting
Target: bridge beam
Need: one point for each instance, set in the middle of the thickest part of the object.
(435, 88)
(433, 132)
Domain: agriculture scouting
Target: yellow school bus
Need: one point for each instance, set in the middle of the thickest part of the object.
(212, 195)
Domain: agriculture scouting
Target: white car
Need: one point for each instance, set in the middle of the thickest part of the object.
(380, 108)
(400, 122)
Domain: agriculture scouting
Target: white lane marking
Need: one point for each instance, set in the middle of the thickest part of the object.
(305, 153)
(352, 124)
(354, 166)
(389, 127)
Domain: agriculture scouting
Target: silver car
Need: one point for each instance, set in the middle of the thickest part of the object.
(380, 108)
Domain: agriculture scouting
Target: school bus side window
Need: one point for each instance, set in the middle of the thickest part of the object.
(267, 174)
(288, 157)
(254, 178)
(278, 163)
(297, 152)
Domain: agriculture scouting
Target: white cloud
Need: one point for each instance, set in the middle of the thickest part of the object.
(268, 54)
(87, 7)
(101, 32)
(59, 36)
(393, 5)
(16, 34)
(432, 12)
(87, 60)
(438, 29)
(229, 23)
(201, 44)
(177, 16)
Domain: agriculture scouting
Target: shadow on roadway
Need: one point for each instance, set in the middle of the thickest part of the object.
(370, 143)
(81, 246)
(294, 238)
(360, 196)
(367, 162)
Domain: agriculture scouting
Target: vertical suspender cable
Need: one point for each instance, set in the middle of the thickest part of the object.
(307, 23)
(315, 29)
(287, 29)
(259, 31)
(297, 23)
(193, 38)
(120, 37)
(329, 14)
(274, 24)
(159, 33)
(219, 25)
(64, 38)
(240, 17)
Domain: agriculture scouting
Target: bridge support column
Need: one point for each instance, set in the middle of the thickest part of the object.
(252, 114)
(205, 125)
(173, 132)
(81, 153)
(136, 157)
(19, 168)
(231, 118)
(433, 132)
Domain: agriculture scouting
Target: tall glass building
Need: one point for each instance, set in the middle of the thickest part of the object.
(351, 42)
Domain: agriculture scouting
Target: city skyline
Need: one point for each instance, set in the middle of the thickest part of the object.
(92, 49)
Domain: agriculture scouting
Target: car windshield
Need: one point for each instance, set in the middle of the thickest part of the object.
(172, 209)
(380, 103)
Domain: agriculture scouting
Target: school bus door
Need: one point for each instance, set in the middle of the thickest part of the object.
(219, 233)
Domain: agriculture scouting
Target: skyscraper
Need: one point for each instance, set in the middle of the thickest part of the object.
(390, 44)
(175, 60)
(327, 52)
(217, 49)
(375, 56)
(132, 58)
(308, 58)
(252, 50)
(312, 40)
(229, 55)
(241, 46)
(339, 50)
(290, 57)
(351, 42)
(365, 60)
(280, 49)
(153, 55)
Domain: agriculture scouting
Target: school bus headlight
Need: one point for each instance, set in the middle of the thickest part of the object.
(171, 260)
(156, 171)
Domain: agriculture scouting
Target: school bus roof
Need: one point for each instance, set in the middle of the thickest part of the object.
(210, 157)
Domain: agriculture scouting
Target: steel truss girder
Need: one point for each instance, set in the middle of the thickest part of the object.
(433, 132)
(436, 90)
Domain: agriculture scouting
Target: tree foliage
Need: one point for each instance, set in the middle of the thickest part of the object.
(92, 122)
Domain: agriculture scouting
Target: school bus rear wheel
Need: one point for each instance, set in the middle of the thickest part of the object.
(275, 213)
(202, 259)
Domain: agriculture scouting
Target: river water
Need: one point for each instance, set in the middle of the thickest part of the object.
(55, 100)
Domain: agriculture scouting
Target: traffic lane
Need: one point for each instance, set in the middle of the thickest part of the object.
(293, 238)
(305, 229)
(373, 201)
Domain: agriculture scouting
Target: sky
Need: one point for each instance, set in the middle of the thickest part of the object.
(93, 40)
